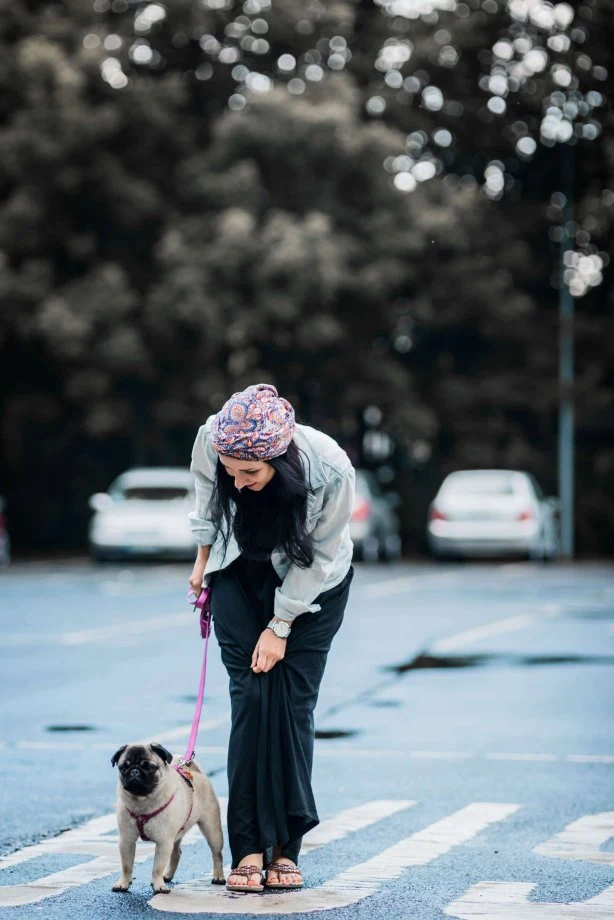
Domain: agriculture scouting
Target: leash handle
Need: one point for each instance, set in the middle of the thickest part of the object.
(203, 603)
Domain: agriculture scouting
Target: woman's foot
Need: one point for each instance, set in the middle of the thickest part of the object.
(286, 878)
(247, 880)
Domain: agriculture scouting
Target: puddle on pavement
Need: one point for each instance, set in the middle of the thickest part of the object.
(432, 662)
(594, 613)
(326, 734)
(71, 728)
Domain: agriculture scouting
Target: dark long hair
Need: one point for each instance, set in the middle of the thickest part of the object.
(286, 503)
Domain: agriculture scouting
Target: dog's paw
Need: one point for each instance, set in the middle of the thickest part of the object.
(160, 889)
(218, 880)
(121, 885)
(168, 878)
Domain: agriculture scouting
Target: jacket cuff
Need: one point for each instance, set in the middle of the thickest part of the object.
(288, 609)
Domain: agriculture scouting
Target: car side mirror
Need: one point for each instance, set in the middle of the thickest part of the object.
(100, 501)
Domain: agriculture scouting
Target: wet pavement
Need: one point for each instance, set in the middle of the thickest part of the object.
(464, 752)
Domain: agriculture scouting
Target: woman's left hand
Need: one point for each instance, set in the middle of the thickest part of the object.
(269, 650)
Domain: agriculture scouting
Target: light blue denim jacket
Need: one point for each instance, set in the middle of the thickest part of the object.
(329, 506)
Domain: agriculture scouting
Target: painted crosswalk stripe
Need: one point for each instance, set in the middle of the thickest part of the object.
(94, 839)
(510, 901)
(350, 886)
(351, 820)
(582, 840)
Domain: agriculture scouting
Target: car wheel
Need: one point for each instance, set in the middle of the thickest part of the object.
(540, 552)
(370, 549)
(391, 548)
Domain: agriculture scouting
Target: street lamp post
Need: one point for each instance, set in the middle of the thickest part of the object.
(566, 366)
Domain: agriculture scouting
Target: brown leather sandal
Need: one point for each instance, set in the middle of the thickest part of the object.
(283, 868)
(245, 870)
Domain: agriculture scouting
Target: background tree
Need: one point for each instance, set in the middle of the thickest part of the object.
(358, 201)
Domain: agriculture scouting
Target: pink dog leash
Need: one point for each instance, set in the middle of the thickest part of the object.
(203, 603)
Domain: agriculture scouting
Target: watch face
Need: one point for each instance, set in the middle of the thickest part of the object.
(282, 630)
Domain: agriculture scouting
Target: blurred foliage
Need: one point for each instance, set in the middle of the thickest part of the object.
(360, 202)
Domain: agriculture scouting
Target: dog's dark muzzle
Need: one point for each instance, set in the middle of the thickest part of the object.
(138, 782)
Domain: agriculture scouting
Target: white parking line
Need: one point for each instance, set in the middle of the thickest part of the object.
(441, 755)
(405, 583)
(126, 628)
(323, 749)
(184, 730)
(496, 628)
(527, 757)
(110, 632)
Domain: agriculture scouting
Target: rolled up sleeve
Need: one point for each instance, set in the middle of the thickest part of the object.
(300, 587)
(203, 468)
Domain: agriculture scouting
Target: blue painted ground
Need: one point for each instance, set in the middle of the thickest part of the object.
(543, 686)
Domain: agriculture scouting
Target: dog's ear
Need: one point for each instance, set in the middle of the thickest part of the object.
(117, 755)
(161, 752)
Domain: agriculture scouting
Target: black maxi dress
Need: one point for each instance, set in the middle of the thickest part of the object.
(270, 751)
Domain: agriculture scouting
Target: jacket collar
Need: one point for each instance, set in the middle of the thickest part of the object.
(313, 464)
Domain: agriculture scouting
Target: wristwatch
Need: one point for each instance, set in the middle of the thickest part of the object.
(282, 630)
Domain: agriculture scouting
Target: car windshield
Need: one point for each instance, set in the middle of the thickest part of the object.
(483, 484)
(154, 493)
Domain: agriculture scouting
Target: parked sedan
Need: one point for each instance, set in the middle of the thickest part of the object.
(374, 526)
(493, 513)
(144, 513)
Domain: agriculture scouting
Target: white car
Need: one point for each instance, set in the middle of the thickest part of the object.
(374, 525)
(144, 513)
(493, 513)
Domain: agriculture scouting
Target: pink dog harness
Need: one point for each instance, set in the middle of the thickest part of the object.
(141, 820)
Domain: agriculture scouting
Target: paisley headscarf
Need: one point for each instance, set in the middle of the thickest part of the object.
(255, 424)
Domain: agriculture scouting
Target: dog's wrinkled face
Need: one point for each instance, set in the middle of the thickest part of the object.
(141, 766)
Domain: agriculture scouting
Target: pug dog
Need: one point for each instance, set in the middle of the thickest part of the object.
(157, 802)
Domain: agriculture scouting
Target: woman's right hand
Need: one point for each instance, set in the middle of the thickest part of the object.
(196, 578)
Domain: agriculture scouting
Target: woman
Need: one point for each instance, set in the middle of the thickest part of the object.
(273, 502)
